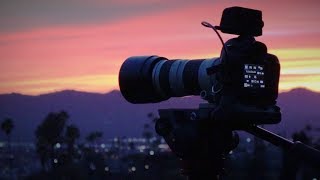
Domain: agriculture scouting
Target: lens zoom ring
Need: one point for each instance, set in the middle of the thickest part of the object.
(190, 77)
(164, 77)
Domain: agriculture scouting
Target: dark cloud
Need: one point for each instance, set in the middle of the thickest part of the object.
(16, 15)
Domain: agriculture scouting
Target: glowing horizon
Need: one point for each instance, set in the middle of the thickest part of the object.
(72, 48)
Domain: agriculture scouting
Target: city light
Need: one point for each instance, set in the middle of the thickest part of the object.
(133, 168)
(106, 168)
(141, 148)
(248, 140)
(163, 146)
(92, 166)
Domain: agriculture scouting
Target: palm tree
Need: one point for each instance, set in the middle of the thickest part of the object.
(148, 129)
(7, 126)
(48, 134)
(99, 135)
(90, 138)
(291, 164)
(72, 134)
(147, 132)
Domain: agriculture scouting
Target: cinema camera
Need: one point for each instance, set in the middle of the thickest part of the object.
(240, 87)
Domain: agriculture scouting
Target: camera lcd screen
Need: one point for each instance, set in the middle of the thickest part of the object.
(253, 76)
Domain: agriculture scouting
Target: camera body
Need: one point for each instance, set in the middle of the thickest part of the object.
(242, 83)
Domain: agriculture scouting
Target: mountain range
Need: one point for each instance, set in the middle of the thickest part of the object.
(114, 116)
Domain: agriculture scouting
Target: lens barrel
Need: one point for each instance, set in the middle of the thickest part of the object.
(151, 79)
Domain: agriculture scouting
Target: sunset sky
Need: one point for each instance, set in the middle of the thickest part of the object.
(52, 45)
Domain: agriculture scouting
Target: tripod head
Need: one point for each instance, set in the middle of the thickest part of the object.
(199, 142)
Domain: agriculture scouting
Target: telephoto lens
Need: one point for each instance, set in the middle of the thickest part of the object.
(152, 79)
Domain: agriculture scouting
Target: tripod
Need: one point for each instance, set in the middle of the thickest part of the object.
(202, 143)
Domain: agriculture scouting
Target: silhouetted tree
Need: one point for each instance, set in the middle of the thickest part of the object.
(98, 135)
(42, 149)
(147, 133)
(153, 118)
(93, 137)
(291, 164)
(48, 134)
(302, 137)
(72, 134)
(7, 126)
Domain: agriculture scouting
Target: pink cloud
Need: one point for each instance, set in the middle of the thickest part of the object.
(76, 50)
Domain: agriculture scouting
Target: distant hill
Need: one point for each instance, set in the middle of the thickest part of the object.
(114, 116)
